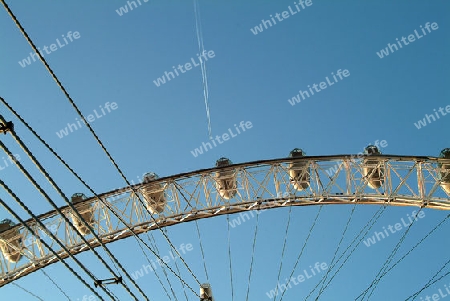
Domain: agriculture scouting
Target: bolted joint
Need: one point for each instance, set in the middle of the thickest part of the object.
(4, 128)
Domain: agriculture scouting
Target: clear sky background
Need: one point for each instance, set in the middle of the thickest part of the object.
(117, 58)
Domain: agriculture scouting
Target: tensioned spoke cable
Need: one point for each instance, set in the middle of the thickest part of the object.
(420, 242)
(387, 262)
(59, 288)
(177, 268)
(391, 257)
(184, 287)
(371, 223)
(303, 248)
(334, 263)
(24, 33)
(430, 282)
(181, 258)
(148, 247)
(47, 197)
(45, 244)
(324, 278)
(283, 250)
(156, 274)
(229, 257)
(27, 291)
(201, 249)
(155, 246)
(253, 256)
(105, 203)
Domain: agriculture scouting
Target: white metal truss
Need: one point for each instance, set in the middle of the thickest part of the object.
(406, 181)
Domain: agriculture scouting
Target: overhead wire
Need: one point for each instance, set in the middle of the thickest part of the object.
(47, 197)
(201, 49)
(49, 233)
(12, 212)
(16, 21)
(21, 250)
(105, 203)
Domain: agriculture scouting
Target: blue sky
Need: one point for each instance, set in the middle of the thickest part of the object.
(251, 77)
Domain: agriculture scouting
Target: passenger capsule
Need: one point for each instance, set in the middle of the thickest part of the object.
(299, 172)
(445, 170)
(206, 292)
(10, 250)
(154, 194)
(371, 170)
(226, 182)
(86, 212)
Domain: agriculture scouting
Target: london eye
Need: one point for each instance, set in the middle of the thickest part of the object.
(115, 184)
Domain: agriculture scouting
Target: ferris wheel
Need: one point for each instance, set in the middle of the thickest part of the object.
(159, 203)
(91, 223)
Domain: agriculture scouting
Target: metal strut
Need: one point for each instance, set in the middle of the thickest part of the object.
(4, 128)
(108, 281)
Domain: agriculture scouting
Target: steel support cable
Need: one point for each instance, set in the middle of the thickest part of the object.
(153, 244)
(177, 268)
(284, 248)
(184, 287)
(21, 251)
(59, 288)
(417, 244)
(39, 238)
(201, 249)
(387, 262)
(24, 33)
(157, 276)
(398, 261)
(303, 248)
(391, 257)
(430, 282)
(372, 222)
(324, 278)
(253, 256)
(52, 182)
(106, 204)
(229, 256)
(27, 291)
(181, 258)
